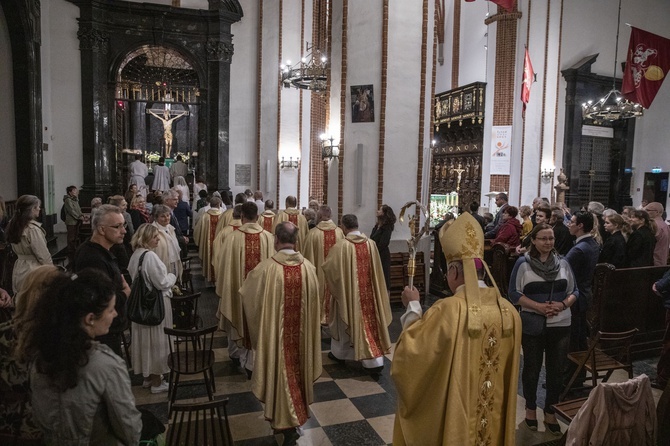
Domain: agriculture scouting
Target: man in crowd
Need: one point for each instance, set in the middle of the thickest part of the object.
(258, 199)
(582, 258)
(280, 298)
(171, 200)
(138, 172)
(73, 219)
(501, 203)
(267, 218)
(293, 214)
(108, 227)
(242, 250)
(655, 211)
(204, 234)
(318, 244)
(361, 311)
(466, 346)
(178, 169)
(564, 240)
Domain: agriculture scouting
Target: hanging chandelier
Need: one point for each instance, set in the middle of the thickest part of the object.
(613, 106)
(311, 73)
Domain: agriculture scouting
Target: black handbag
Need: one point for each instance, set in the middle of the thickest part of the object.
(145, 306)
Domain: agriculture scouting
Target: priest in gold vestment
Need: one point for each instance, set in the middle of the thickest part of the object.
(227, 216)
(204, 234)
(267, 218)
(218, 258)
(456, 367)
(361, 310)
(242, 250)
(318, 243)
(281, 302)
(293, 214)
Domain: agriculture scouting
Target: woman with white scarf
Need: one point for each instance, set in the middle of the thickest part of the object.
(168, 246)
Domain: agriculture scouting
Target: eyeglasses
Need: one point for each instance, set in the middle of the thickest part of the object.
(119, 226)
(545, 239)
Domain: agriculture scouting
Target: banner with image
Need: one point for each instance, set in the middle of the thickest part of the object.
(501, 149)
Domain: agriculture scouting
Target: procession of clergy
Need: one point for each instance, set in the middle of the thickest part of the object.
(279, 283)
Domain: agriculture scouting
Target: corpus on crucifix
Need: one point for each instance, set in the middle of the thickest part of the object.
(459, 171)
(167, 116)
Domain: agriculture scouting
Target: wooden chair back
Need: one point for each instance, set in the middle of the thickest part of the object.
(199, 424)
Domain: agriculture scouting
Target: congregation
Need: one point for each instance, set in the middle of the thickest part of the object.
(288, 280)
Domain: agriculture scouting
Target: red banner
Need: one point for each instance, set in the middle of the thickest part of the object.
(528, 77)
(647, 63)
(507, 4)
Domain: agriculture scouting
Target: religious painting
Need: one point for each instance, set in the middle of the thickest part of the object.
(362, 103)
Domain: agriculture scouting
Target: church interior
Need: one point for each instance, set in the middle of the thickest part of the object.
(354, 105)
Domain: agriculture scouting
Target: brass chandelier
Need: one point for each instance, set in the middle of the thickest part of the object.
(311, 73)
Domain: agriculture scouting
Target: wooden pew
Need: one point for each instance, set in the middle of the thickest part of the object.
(503, 258)
(623, 299)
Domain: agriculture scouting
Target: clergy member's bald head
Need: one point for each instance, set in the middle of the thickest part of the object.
(286, 235)
(269, 205)
(291, 201)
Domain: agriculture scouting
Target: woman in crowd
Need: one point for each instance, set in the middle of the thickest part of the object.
(510, 229)
(543, 285)
(180, 184)
(138, 212)
(197, 187)
(16, 413)
(527, 225)
(150, 343)
(641, 243)
(614, 248)
(81, 390)
(381, 235)
(28, 239)
(168, 246)
(183, 213)
(130, 193)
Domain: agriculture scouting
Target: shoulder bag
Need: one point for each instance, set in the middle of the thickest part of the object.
(145, 306)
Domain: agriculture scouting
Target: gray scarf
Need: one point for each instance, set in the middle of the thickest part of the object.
(547, 270)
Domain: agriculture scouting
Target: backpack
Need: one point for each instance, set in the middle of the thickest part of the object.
(63, 214)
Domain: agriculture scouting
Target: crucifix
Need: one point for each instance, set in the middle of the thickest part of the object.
(459, 170)
(167, 116)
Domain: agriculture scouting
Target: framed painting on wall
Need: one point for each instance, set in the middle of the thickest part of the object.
(362, 103)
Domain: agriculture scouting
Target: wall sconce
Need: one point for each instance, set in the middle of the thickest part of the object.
(547, 173)
(328, 149)
(289, 163)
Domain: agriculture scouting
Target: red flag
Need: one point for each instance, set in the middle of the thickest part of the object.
(507, 4)
(528, 77)
(647, 63)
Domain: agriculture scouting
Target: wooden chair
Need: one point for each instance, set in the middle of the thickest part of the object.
(191, 353)
(607, 352)
(185, 311)
(199, 424)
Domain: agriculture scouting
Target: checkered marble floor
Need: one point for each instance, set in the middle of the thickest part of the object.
(349, 408)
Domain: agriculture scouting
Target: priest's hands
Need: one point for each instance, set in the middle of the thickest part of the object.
(409, 294)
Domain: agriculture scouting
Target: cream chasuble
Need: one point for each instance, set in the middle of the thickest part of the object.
(281, 303)
(354, 275)
(267, 220)
(318, 243)
(225, 220)
(203, 235)
(217, 251)
(242, 250)
(454, 389)
(294, 216)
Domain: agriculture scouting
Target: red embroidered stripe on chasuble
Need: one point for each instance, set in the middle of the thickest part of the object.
(213, 222)
(292, 310)
(293, 218)
(329, 241)
(367, 298)
(267, 223)
(252, 257)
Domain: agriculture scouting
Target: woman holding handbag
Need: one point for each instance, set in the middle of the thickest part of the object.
(150, 344)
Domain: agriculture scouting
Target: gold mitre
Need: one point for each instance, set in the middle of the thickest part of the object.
(464, 240)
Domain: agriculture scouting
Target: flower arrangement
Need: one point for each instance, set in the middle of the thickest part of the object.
(152, 157)
(185, 156)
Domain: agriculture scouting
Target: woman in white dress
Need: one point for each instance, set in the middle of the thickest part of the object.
(168, 246)
(150, 344)
(28, 239)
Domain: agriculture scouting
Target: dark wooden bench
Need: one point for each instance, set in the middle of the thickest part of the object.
(623, 300)
(502, 258)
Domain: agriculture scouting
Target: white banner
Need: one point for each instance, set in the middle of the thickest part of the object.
(501, 149)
